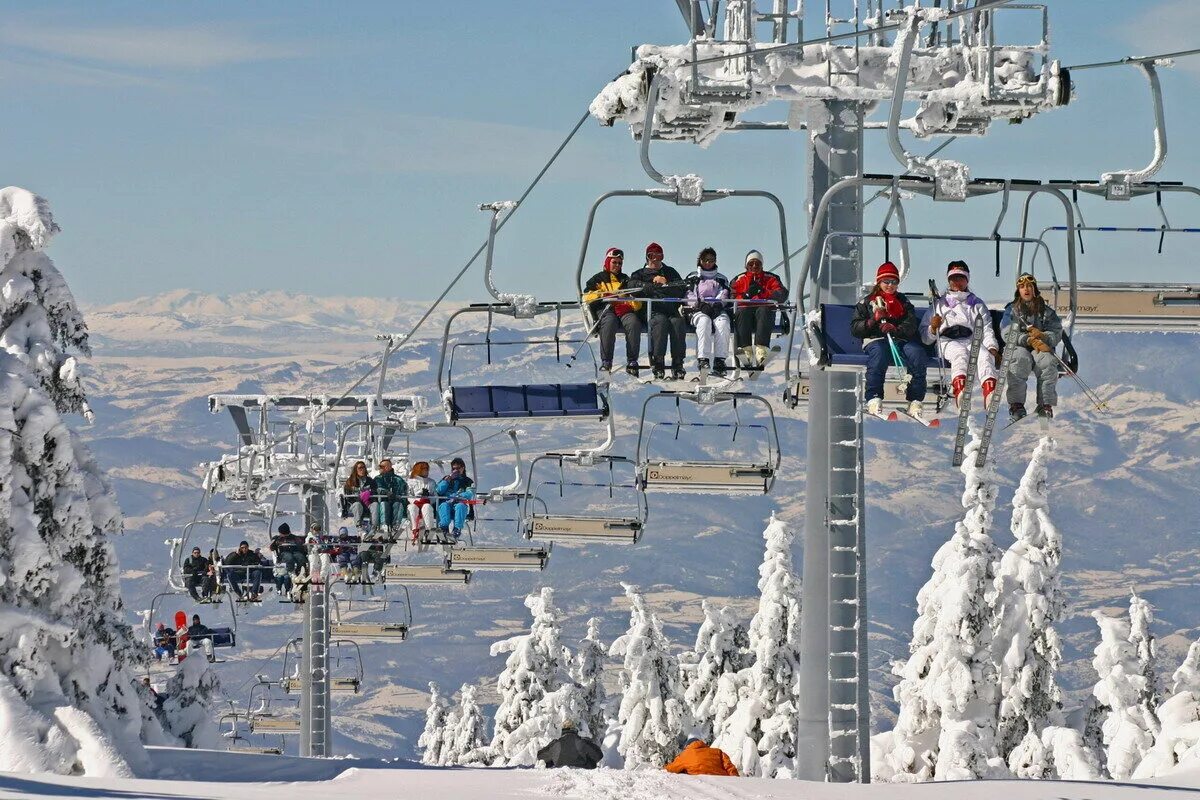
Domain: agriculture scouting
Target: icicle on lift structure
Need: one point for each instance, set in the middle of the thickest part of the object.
(702, 90)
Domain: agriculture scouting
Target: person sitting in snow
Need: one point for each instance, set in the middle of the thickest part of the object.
(882, 313)
(757, 293)
(571, 750)
(708, 311)
(624, 314)
(949, 323)
(164, 642)
(357, 492)
(1033, 327)
(387, 506)
(455, 495)
(698, 758)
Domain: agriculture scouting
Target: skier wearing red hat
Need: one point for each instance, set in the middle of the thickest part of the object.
(663, 284)
(950, 324)
(611, 282)
(758, 292)
(883, 313)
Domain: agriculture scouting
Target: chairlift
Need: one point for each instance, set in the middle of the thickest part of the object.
(556, 525)
(390, 628)
(426, 575)
(339, 651)
(236, 741)
(477, 558)
(267, 717)
(221, 636)
(658, 473)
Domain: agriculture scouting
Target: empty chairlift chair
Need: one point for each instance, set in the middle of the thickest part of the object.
(344, 662)
(547, 512)
(749, 468)
(375, 618)
(425, 575)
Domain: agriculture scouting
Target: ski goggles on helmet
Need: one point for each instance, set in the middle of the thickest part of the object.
(1026, 279)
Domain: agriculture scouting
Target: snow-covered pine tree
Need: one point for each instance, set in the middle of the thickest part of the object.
(1178, 741)
(650, 718)
(1027, 648)
(1126, 696)
(430, 740)
(717, 652)
(766, 711)
(945, 728)
(186, 712)
(1058, 754)
(588, 673)
(66, 654)
(464, 744)
(537, 667)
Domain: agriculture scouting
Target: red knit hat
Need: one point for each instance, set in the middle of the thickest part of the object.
(654, 247)
(886, 270)
(610, 254)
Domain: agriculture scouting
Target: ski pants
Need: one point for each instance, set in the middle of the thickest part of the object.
(236, 575)
(352, 507)
(450, 508)
(1026, 362)
(712, 335)
(755, 324)
(664, 326)
(958, 353)
(421, 512)
(200, 587)
(387, 512)
(629, 322)
(879, 358)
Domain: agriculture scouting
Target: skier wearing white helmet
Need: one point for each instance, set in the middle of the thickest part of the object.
(950, 323)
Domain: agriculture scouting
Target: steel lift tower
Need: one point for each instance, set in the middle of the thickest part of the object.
(945, 63)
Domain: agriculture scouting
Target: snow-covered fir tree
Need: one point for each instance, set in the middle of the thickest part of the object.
(651, 715)
(946, 724)
(1178, 740)
(767, 694)
(1125, 693)
(1028, 649)
(66, 654)
(186, 712)
(532, 707)
(717, 652)
(1058, 754)
(466, 733)
(588, 673)
(430, 740)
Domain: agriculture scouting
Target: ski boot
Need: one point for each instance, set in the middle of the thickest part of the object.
(1045, 411)
(1016, 411)
(606, 366)
(915, 409)
(660, 371)
(761, 354)
(702, 364)
(631, 369)
(875, 406)
(677, 372)
(745, 357)
(956, 387)
(988, 387)
(719, 368)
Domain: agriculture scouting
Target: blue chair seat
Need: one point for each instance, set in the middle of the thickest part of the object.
(839, 348)
(220, 637)
(527, 401)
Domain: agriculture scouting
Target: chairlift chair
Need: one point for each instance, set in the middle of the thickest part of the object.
(390, 628)
(267, 717)
(426, 575)
(476, 558)
(338, 684)
(611, 525)
(657, 473)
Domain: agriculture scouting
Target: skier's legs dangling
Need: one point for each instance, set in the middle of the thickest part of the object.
(704, 335)
(1020, 365)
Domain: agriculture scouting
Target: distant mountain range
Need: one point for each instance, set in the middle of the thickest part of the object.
(1125, 494)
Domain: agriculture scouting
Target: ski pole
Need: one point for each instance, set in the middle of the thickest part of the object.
(1087, 390)
(904, 376)
(934, 297)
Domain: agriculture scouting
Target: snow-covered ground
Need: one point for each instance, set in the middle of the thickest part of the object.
(1123, 500)
(207, 774)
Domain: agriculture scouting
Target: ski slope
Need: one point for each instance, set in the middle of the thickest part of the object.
(239, 776)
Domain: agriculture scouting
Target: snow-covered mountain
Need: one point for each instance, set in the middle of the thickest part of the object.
(1123, 496)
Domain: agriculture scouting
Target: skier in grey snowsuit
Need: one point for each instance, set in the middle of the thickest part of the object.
(1033, 327)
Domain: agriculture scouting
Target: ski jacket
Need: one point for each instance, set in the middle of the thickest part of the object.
(643, 281)
(958, 311)
(863, 325)
(571, 750)
(1018, 319)
(199, 631)
(287, 543)
(247, 559)
(700, 759)
(194, 566)
(164, 637)
(421, 487)
(759, 285)
(451, 486)
(355, 485)
(392, 485)
(708, 291)
(605, 282)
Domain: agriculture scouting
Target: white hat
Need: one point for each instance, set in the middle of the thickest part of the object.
(754, 254)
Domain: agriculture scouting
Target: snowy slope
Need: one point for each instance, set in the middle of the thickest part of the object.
(1124, 501)
(183, 774)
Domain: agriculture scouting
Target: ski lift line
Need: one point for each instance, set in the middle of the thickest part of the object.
(1134, 60)
(1119, 229)
(982, 5)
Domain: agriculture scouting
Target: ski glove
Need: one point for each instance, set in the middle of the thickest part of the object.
(1039, 345)
(935, 323)
(1034, 333)
(995, 355)
(754, 289)
(887, 328)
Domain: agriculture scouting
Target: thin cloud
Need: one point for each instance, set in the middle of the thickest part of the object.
(1166, 27)
(148, 47)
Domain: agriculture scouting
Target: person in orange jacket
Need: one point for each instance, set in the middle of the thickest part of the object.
(698, 758)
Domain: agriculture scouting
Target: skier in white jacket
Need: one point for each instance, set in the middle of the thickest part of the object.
(950, 323)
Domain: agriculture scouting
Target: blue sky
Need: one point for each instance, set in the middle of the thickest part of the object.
(341, 150)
